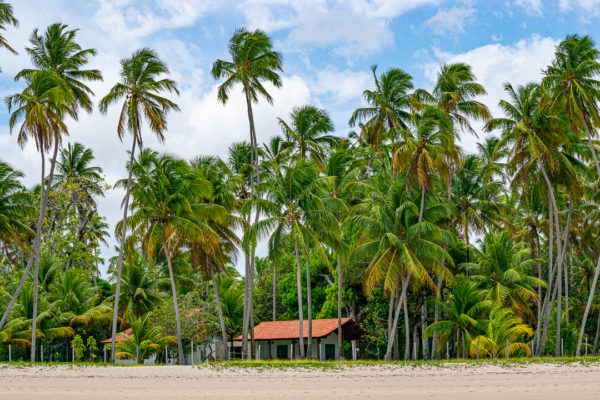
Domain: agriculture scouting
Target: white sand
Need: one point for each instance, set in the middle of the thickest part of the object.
(454, 381)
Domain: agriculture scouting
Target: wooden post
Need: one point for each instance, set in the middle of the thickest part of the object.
(269, 349)
(42, 353)
(166, 356)
(9, 354)
(319, 349)
(73, 352)
(104, 353)
(292, 355)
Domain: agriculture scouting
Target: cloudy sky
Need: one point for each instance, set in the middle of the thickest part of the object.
(328, 47)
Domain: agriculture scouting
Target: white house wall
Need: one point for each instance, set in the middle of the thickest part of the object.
(263, 347)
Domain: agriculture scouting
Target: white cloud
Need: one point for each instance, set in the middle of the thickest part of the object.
(533, 7)
(586, 5)
(350, 27)
(451, 21)
(495, 64)
(340, 86)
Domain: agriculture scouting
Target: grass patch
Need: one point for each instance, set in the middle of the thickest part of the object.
(337, 365)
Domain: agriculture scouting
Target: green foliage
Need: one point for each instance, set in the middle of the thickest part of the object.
(79, 347)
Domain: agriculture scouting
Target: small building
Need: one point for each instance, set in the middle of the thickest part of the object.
(280, 339)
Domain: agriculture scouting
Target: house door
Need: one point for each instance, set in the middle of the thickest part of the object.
(330, 351)
(282, 351)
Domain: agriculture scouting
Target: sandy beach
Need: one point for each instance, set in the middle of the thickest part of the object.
(455, 381)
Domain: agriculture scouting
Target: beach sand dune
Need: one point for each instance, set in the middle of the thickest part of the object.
(453, 381)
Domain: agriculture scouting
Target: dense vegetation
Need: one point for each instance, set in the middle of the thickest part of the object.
(434, 250)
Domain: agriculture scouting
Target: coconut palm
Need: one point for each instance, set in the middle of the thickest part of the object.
(140, 89)
(396, 240)
(428, 150)
(43, 105)
(387, 107)
(501, 270)
(7, 18)
(145, 340)
(454, 93)
(502, 331)
(464, 308)
(14, 206)
(307, 133)
(253, 63)
(169, 210)
(57, 51)
(295, 213)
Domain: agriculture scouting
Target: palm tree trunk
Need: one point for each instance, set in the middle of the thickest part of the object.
(391, 308)
(339, 304)
(390, 343)
(249, 283)
(406, 330)
(309, 308)
(597, 333)
(175, 305)
(587, 309)
(274, 292)
(38, 243)
(121, 252)
(300, 312)
(219, 309)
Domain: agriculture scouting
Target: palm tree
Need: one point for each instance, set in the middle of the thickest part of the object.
(463, 307)
(501, 270)
(225, 184)
(14, 206)
(43, 105)
(253, 62)
(58, 52)
(397, 241)
(7, 18)
(341, 172)
(140, 88)
(144, 341)
(473, 198)
(75, 163)
(138, 292)
(454, 93)
(387, 107)
(428, 148)
(533, 146)
(307, 133)
(502, 331)
(571, 84)
(168, 211)
(295, 213)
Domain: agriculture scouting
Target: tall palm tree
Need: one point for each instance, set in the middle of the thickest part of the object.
(295, 213)
(387, 107)
(7, 18)
(572, 84)
(253, 63)
(428, 150)
(43, 106)
(307, 133)
(225, 184)
(533, 146)
(139, 90)
(58, 56)
(398, 243)
(168, 211)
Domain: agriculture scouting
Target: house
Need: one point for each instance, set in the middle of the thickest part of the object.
(280, 339)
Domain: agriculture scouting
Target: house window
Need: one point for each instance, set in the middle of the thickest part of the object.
(330, 351)
(282, 351)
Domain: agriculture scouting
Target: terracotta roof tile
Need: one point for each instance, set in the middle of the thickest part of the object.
(272, 330)
(121, 337)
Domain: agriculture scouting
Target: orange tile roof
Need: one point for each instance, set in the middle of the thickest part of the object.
(273, 330)
(121, 337)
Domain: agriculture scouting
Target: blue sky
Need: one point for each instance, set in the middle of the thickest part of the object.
(328, 48)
